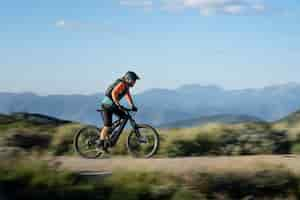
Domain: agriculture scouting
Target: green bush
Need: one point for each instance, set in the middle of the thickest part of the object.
(268, 184)
(296, 148)
(31, 180)
(245, 139)
(35, 180)
(62, 142)
(212, 139)
(203, 144)
(26, 139)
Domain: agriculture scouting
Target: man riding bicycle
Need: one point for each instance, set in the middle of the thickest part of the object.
(111, 103)
(142, 140)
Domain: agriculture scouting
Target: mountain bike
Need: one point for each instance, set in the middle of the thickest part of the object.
(142, 140)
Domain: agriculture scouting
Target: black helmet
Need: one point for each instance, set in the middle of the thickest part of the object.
(131, 76)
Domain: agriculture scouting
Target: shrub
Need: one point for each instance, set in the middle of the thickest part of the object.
(62, 141)
(269, 183)
(295, 148)
(27, 139)
(245, 139)
(36, 180)
(203, 144)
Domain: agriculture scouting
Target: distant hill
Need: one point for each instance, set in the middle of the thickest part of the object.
(220, 119)
(164, 106)
(33, 118)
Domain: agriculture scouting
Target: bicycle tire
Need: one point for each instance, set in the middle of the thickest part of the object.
(155, 145)
(81, 132)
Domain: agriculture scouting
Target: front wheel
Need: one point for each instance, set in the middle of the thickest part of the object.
(143, 142)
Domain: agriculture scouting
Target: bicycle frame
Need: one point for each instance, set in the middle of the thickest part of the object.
(118, 127)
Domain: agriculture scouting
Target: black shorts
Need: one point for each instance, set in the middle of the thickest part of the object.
(108, 112)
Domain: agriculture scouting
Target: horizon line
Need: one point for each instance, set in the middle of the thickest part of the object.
(149, 89)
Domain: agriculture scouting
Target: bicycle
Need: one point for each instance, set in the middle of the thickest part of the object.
(142, 141)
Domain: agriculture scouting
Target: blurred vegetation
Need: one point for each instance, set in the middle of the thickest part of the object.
(51, 136)
(32, 179)
(215, 139)
(29, 179)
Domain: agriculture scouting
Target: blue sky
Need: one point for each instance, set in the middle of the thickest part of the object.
(64, 47)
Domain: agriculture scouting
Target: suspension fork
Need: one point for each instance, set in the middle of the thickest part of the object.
(135, 127)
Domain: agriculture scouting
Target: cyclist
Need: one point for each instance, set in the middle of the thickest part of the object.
(111, 103)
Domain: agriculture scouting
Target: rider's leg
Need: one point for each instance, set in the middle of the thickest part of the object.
(107, 117)
(107, 121)
(105, 132)
(104, 136)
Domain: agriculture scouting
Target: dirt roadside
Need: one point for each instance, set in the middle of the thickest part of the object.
(183, 165)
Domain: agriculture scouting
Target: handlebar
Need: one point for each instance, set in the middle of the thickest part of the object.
(127, 109)
(124, 108)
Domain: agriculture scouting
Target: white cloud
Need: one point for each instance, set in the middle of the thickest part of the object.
(64, 24)
(203, 3)
(89, 27)
(146, 4)
(259, 7)
(171, 5)
(205, 7)
(60, 23)
(207, 11)
(234, 9)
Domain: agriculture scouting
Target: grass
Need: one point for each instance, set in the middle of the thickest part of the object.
(215, 139)
(35, 180)
(211, 139)
(293, 130)
(60, 135)
(16, 125)
(266, 184)
(296, 148)
(31, 179)
(62, 142)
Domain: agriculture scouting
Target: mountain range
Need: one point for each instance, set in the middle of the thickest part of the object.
(164, 106)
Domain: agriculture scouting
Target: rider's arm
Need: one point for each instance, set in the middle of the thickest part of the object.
(129, 99)
(116, 91)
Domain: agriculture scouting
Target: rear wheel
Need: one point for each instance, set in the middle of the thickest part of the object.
(85, 142)
(143, 142)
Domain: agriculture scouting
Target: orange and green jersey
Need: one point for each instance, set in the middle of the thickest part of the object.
(119, 91)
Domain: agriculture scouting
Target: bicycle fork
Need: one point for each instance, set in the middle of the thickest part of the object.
(141, 138)
(135, 127)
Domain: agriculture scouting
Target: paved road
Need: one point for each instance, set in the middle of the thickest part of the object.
(183, 165)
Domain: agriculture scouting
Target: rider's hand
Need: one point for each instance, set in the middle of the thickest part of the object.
(134, 108)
